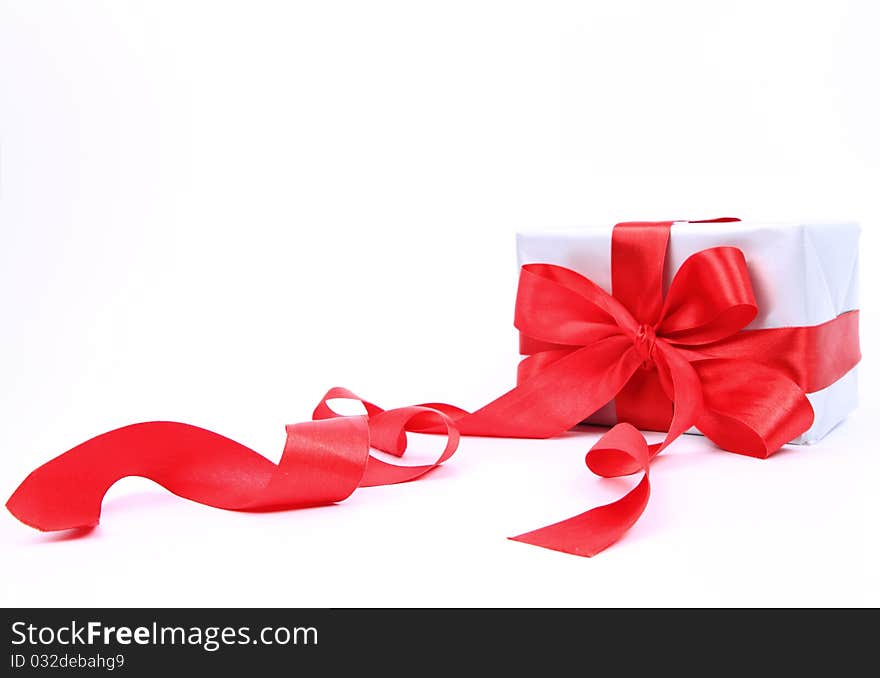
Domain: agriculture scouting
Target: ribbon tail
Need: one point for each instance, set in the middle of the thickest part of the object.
(323, 462)
(557, 398)
(621, 451)
(595, 530)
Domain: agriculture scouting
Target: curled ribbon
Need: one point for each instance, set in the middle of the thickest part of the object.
(669, 362)
(324, 461)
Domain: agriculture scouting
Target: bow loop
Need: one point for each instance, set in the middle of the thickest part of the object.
(555, 305)
(710, 298)
(750, 408)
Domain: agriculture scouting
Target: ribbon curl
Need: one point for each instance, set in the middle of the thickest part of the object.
(669, 362)
(324, 461)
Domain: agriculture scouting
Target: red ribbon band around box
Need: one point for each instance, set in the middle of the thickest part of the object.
(669, 363)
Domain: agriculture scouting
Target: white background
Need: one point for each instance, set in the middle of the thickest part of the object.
(212, 212)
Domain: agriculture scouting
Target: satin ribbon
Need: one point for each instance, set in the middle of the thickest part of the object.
(669, 362)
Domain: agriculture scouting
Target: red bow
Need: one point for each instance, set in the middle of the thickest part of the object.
(669, 363)
(673, 363)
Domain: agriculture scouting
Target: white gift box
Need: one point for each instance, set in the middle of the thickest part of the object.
(802, 274)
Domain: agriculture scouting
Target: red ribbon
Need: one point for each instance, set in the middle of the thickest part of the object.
(669, 362)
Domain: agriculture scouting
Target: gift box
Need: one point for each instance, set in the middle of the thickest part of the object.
(802, 274)
(746, 332)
